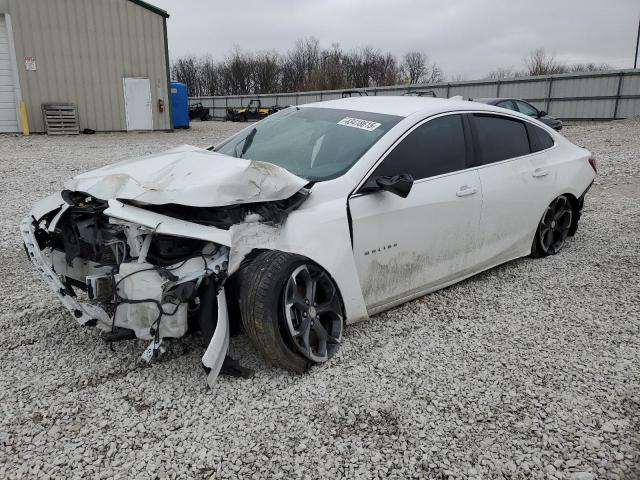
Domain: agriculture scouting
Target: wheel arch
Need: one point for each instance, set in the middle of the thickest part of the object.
(254, 253)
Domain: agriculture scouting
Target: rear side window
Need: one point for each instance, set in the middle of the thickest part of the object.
(540, 140)
(506, 104)
(500, 138)
(526, 109)
(434, 148)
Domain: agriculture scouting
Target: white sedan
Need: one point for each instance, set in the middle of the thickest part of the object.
(317, 216)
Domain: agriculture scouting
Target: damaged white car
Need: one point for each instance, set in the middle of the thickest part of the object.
(317, 216)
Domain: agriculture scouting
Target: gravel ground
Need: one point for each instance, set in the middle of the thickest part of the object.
(530, 370)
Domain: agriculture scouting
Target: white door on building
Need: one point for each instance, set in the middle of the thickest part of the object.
(137, 103)
(8, 110)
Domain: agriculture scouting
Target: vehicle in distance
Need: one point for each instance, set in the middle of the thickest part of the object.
(317, 216)
(354, 93)
(253, 111)
(199, 111)
(420, 93)
(526, 108)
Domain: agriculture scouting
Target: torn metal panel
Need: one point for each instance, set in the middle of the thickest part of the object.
(162, 224)
(217, 349)
(191, 176)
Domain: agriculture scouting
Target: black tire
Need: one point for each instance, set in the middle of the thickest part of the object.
(267, 321)
(555, 226)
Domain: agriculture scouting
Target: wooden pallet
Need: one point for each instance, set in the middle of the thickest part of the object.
(60, 119)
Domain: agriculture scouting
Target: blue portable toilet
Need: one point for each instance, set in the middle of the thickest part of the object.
(179, 105)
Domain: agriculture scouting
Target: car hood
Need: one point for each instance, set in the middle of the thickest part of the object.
(188, 175)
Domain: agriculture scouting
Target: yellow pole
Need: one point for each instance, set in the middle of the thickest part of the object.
(23, 117)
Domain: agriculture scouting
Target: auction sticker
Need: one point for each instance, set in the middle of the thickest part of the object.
(359, 123)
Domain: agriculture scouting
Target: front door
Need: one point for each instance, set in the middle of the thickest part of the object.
(405, 246)
(137, 103)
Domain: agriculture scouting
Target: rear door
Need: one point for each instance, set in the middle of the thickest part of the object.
(513, 178)
(404, 246)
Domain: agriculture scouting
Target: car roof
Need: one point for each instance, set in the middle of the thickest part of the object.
(402, 106)
(494, 100)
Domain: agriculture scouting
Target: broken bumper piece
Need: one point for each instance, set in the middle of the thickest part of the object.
(151, 300)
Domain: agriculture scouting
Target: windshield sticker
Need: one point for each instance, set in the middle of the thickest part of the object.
(358, 123)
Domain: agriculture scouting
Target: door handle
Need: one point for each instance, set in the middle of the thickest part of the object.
(466, 190)
(540, 172)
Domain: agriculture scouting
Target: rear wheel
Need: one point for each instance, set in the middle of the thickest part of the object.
(291, 309)
(553, 228)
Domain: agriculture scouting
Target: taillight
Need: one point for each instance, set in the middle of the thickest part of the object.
(594, 164)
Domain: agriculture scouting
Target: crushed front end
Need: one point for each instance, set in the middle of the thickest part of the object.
(129, 279)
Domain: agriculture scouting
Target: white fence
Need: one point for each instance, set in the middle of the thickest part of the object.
(587, 96)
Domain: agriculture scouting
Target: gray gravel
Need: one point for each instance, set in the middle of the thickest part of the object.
(530, 370)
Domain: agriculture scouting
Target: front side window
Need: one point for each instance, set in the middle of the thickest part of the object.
(313, 143)
(434, 148)
(500, 138)
(527, 109)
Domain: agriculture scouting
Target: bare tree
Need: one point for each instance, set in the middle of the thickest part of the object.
(539, 62)
(266, 72)
(434, 74)
(503, 73)
(589, 67)
(237, 71)
(186, 70)
(414, 65)
(304, 67)
(330, 73)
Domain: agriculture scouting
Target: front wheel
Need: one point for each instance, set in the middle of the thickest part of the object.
(291, 310)
(553, 228)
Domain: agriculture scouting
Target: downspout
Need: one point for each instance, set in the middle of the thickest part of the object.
(13, 65)
(166, 56)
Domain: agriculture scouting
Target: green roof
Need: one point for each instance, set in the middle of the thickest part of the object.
(150, 7)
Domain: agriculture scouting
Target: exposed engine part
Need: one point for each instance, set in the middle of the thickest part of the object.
(167, 250)
(84, 231)
(99, 287)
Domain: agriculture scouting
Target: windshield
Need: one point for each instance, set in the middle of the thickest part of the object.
(313, 143)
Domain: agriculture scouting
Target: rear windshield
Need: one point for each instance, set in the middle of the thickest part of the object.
(313, 143)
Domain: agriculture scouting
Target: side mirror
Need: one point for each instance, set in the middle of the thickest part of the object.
(541, 113)
(398, 184)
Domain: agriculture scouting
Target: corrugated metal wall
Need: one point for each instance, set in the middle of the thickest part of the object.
(83, 49)
(597, 95)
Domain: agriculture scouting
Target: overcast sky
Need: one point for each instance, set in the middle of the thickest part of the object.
(465, 37)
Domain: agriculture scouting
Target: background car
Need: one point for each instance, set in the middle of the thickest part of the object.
(521, 106)
(253, 111)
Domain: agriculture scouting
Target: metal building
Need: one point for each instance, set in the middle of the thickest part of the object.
(107, 57)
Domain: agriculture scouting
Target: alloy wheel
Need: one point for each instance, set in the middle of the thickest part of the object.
(555, 225)
(313, 313)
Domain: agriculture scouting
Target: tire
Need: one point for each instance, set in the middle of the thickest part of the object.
(288, 331)
(554, 227)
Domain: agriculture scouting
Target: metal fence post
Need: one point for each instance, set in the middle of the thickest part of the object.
(498, 83)
(548, 102)
(615, 107)
(448, 89)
